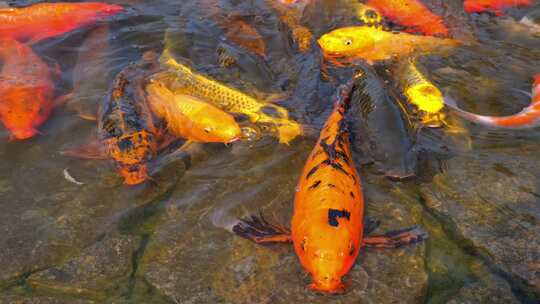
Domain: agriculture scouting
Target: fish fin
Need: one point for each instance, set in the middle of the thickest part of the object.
(91, 150)
(62, 100)
(276, 98)
(76, 106)
(396, 239)
(523, 92)
(165, 160)
(257, 229)
(449, 100)
(370, 225)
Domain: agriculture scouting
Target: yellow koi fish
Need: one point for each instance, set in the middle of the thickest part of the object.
(180, 79)
(190, 118)
(421, 93)
(373, 44)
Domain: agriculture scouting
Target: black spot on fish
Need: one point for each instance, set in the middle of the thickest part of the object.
(315, 185)
(330, 150)
(343, 156)
(339, 168)
(312, 171)
(334, 214)
(331, 185)
(352, 194)
(125, 144)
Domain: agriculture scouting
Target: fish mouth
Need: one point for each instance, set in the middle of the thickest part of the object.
(329, 286)
(237, 138)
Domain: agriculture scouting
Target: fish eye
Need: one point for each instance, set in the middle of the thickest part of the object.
(348, 42)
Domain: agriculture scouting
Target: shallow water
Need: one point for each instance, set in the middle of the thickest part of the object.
(477, 196)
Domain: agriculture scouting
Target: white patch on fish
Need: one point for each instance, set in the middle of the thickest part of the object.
(71, 179)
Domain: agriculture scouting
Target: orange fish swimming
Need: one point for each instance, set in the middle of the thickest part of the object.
(494, 6)
(529, 117)
(327, 224)
(412, 14)
(26, 89)
(373, 44)
(191, 118)
(46, 20)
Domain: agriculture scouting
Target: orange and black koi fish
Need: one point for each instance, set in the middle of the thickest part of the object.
(412, 14)
(127, 133)
(26, 90)
(529, 117)
(495, 6)
(327, 224)
(46, 20)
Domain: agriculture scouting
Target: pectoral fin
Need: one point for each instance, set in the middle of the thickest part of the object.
(396, 239)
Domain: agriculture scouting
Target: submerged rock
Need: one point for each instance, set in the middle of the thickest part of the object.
(95, 271)
(488, 202)
(41, 300)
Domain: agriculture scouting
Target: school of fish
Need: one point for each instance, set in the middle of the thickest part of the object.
(162, 100)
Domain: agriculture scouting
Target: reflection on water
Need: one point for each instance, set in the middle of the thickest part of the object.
(163, 242)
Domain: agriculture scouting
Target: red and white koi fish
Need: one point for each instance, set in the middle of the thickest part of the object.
(494, 6)
(529, 117)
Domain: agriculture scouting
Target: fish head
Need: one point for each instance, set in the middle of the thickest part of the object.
(25, 108)
(347, 41)
(214, 129)
(327, 253)
(133, 174)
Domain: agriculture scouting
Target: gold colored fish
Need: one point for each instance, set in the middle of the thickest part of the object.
(421, 93)
(180, 79)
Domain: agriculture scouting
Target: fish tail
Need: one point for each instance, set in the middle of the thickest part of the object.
(527, 118)
(257, 229)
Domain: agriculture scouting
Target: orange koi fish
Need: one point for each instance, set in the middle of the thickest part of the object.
(372, 44)
(327, 224)
(26, 90)
(494, 6)
(191, 118)
(529, 117)
(46, 20)
(412, 14)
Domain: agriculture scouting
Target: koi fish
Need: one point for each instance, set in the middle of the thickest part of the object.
(327, 224)
(191, 118)
(45, 20)
(127, 133)
(421, 93)
(180, 79)
(412, 14)
(92, 64)
(372, 44)
(291, 17)
(529, 117)
(494, 6)
(26, 90)
(382, 128)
